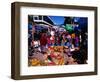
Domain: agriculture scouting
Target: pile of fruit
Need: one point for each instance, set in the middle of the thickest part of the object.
(53, 56)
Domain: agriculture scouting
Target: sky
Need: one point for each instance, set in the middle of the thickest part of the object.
(58, 20)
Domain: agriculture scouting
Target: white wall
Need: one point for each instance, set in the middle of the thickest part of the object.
(5, 42)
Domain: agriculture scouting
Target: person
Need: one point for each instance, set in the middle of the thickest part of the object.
(69, 37)
(76, 28)
(71, 61)
(67, 51)
(33, 30)
(68, 44)
(73, 35)
(36, 35)
(65, 58)
(43, 41)
(48, 41)
(63, 40)
(52, 38)
(77, 41)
